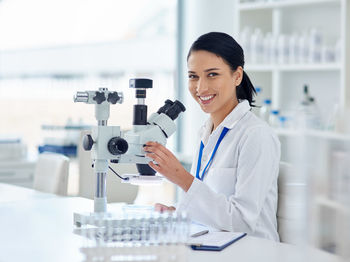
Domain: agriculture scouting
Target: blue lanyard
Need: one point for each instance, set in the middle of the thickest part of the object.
(223, 133)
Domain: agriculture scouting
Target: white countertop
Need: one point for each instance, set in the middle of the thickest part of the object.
(12, 193)
(38, 227)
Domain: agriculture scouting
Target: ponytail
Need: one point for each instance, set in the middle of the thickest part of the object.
(246, 90)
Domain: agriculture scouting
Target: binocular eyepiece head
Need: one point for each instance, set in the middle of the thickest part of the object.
(172, 109)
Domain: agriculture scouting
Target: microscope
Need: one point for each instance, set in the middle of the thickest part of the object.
(109, 143)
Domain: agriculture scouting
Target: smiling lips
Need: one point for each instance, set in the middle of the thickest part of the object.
(206, 99)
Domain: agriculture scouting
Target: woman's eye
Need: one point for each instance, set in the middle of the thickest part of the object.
(212, 74)
(192, 76)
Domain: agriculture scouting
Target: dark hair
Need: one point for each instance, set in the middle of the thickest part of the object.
(231, 52)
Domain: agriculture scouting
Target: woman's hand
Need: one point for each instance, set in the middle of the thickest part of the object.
(162, 208)
(168, 165)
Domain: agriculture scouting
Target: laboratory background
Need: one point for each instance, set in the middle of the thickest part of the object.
(297, 55)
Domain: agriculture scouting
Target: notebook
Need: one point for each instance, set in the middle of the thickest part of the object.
(215, 240)
(196, 228)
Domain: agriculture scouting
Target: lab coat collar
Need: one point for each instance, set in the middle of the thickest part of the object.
(230, 120)
(236, 114)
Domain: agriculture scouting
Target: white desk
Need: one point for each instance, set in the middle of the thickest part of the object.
(40, 229)
(12, 193)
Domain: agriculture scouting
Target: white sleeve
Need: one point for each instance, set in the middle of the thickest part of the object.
(257, 171)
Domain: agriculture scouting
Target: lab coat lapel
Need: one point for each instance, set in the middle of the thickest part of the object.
(210, 139)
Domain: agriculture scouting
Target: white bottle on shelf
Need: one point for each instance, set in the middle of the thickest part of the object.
(259, 96)
(315, 46)
(327, 54)
(303, 45)
(308, 116)
(256, 44)
(258, 100)
(293, 48)
(258, 91)
(244, 39)
(274, 118)
(267, 42)
(333, 117)
(274, 49)
(265, 110)
(283, 49)
(337, 51)
(283, 122)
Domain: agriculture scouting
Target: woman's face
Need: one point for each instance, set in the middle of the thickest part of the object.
(212, 82)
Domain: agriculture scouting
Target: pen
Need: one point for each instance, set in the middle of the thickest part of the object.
(200, 233)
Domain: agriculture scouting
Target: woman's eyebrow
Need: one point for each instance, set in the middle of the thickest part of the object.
(211, 69)
(206, 70)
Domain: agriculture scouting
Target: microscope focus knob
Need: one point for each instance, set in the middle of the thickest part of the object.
(117, 146)
(113, 97)
(87, 142)
(99, 97)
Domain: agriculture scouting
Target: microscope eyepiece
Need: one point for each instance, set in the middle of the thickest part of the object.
(168, 103)
(174, 110)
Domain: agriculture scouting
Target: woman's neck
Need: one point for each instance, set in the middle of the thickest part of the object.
(219, 116)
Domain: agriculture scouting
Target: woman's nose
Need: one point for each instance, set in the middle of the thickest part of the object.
(202, 86)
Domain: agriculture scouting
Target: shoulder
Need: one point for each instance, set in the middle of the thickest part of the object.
(256, 130)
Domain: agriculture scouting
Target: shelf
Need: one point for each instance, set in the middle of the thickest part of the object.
(315, 133)
(281, 4)
(333, 204)
(292, 67)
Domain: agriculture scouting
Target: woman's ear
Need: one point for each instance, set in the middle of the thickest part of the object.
(238, 75)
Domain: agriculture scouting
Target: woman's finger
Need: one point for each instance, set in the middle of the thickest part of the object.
(152, 146)
(158, 152)
(159, 207)
(154, 166)
(156, 158)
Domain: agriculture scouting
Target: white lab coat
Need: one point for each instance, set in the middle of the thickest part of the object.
(239, 190)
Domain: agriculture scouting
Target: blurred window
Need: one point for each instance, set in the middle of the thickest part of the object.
(51, 49)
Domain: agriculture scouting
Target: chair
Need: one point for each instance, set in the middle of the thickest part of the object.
(51, 173)
(292, 205)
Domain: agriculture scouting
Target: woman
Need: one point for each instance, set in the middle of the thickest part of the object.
(233, 182)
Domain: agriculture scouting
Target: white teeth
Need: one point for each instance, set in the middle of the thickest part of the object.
(205, 98)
